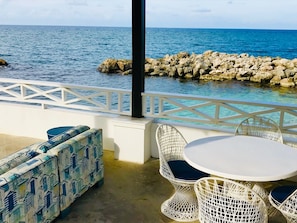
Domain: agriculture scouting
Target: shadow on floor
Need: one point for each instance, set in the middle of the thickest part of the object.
(130, 193)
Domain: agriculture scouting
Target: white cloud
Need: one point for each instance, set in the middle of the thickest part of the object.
(64, 12)
(78, 2)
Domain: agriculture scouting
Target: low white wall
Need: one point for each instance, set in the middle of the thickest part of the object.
(131, 139)
(189, 133)
(32, 121)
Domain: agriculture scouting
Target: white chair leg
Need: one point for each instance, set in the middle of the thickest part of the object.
(182, 205)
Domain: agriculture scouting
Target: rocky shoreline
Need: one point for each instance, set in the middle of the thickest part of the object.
(213, 66)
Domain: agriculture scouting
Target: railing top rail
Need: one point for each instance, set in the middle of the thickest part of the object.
(62, 85)
(220, 100)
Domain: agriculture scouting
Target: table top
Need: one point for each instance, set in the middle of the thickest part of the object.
(243, 158)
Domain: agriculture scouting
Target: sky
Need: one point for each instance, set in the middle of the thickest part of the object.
(254, 14)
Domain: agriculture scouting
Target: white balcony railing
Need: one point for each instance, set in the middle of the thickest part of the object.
(51, 94)
(221, 113)
(218, 113)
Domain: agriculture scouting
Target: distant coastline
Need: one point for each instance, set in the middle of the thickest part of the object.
(214, 66)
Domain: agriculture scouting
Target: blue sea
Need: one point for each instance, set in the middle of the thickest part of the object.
(72, 54)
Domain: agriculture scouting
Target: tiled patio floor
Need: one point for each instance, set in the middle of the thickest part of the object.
(132, 193)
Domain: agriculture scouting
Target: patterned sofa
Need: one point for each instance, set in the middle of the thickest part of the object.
(41, 181)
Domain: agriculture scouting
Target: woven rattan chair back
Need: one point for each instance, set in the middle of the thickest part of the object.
(226, 201)
(171, 144)
(260, 127)
(182, 205)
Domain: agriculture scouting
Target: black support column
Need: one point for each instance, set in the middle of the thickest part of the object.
(138, 55)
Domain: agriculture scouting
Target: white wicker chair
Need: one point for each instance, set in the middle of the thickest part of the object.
(260, 127)
(284, 199)
(182, 205)
(224, 201)
(266, 128)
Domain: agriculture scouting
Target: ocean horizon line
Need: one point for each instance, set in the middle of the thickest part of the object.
(152, 27)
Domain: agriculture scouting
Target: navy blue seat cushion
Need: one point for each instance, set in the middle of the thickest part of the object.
(282, 192)
(182, 170)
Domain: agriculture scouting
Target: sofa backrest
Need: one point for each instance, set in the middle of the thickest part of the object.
(31, 151)
(56, 140)
(16, 159)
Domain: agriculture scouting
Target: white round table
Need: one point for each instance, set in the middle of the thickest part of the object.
(243, 158)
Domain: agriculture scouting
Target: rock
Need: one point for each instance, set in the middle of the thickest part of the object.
(266, 67)
(109, 66)
(290, 72)
(243, 74)
(294, 61)
(157, 70)
(148, 68)
(180, 71)
(172, 72)
(275, 80)
(183, 55)
(124, 65)
(188, 70)
(216, 62)
(295, 79)
(279, 71)
(229, 75)
(196, 71)
(3, 62)
(127, 72)
(262, 77)
(287, 82)
(188, 76)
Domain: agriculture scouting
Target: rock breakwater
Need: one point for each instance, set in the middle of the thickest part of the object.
(213, 66)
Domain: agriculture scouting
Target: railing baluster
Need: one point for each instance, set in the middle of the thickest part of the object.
(120, 102)
(108, 100)
(63, 95)
(23, 91)
(151, 105)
